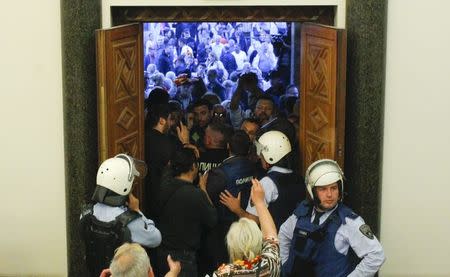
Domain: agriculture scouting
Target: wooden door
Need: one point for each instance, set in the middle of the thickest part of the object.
(322, 111)
(120, 93)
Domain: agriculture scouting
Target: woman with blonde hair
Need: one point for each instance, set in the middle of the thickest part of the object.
(253, 252)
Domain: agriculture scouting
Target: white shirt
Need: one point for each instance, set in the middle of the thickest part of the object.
(270, 189)
(240, 58)
(143, 230)
(348, 235)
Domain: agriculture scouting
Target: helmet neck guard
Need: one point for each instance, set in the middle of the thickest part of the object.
(108, 197)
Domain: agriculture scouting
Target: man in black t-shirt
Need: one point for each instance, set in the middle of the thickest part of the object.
(216, 137)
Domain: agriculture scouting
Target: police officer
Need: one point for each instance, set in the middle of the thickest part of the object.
(234, 176)
(114, 216)
(282, 186)
(324, 237)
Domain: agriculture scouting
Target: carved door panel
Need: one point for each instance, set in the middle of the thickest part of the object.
(322, 111)
(120, 93)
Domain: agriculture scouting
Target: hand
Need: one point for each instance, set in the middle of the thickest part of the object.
(231, 202)
(193, 147)
(183, 133)
(202, 180)
(257, 193)
(105, 273)
(133, 203)
(174, 266)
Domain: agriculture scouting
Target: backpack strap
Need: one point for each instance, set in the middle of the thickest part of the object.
(126, 217)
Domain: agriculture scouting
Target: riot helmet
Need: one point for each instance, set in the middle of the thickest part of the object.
(115, 178)
(273, 146)
(322, 173)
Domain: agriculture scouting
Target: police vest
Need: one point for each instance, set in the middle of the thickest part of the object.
(102, 238)
(290, 192)
(239, 172)
(312, 251)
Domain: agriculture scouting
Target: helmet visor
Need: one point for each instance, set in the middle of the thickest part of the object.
(138, 168)
(259, 147)
(328, 179)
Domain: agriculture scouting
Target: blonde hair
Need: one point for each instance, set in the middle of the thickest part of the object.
(244, 240)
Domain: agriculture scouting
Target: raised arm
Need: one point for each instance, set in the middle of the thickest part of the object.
(265, 219)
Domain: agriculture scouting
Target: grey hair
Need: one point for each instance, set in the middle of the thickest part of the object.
(130, 259)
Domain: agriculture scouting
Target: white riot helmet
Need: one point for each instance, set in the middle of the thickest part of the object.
(117, 174)
(323, 173)
(273, 146)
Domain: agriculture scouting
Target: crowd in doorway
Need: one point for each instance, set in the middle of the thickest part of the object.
(214, 53)
(222, 191)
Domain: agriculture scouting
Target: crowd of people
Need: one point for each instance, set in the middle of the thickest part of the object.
(215, 53)
(223, 195)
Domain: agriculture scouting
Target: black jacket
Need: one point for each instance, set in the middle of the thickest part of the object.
(185, 214)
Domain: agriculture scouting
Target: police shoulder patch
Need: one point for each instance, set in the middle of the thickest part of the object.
(366, 231)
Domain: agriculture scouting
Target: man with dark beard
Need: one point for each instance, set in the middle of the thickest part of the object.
(159, 147)
(264, 111)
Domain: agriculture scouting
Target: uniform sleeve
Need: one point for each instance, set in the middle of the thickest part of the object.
(270, 194)
(285, 237)
(365, 245)
(144, 232)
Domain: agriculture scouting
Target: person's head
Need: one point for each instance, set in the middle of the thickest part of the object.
(131, 259)
(184, 163)
(115, 178)
(202, 112)
(276, 80)
(251, 127)
(212, 75)
(180, 60)
(171, 75)
(189, 58)
(152, 50)
(168, 49)
(229, 88)
(264, 46)
(231, 44)
(244, 240)
(264, 109)
(157, 96)
(211, 57)
(201, 69)
(226, 49)
(249, 80)
(217, 135)
(190, 117)
(273, 148)
(292, 90)
(181, 42)
(157, 78)
(324, 181)
(212, 98)
(151, 69)
(158, 117)
(239, 144)
(175, 114)
(186, 33)
(219, 113)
